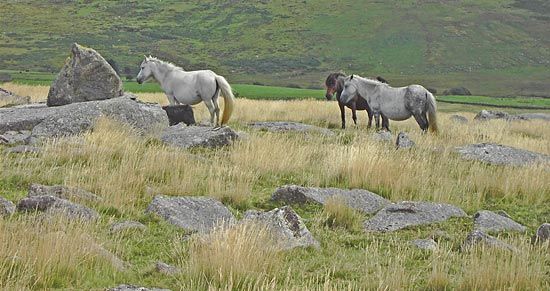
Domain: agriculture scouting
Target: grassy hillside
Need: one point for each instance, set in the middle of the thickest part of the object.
(497, 47)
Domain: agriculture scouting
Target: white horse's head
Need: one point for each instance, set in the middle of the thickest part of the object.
(146, 70)
(350, 90)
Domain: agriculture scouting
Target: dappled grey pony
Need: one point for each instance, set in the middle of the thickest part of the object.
(394, 103)
(190, 88)
(335, 84)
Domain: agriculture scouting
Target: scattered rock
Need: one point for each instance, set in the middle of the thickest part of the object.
(8, 98)
(7, 207)
(532, 116)
(191, 213)
(180, 113)
(286, 226)
(15, 137)
(286, 126)
(477, 236)
(403, 141)
(439, 235)
(124, 226)
(543, 234)
(125, 287)
(64, 192)
(425, 244)
(461, 91)
(488, 221)
(489, 114)
(166, 269)
(382, 136)
(73, 119)
(54, 205)
(500, 155)
(409, 213)
(86, 76)
(358, 199)
(23, 149)
(459, 119)
(198, 136)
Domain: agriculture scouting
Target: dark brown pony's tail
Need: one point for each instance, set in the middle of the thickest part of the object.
(432, 111)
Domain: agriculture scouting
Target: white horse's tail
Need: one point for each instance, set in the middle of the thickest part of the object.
(228, 97)
(432, 108)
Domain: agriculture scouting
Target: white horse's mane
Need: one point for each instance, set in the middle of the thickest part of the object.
(168, 64)
(369, 80)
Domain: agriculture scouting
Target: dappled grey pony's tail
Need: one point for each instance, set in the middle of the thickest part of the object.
(432, 108)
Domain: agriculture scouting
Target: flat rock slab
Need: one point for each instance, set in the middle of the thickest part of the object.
(287, 126)
(358, 199)
(125, 226)
(72, 119)
(86, 76)
(496, 154)
(54, 205)
(200, 214)
(64, 192)
(477, 237)
(7, 207)
(408, 213)
(488, 221)
(198, 136)
(543, 234)
(125, 287)
(424, 244)
(286, 226)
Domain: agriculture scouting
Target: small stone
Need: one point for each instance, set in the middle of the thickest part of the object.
(382, 136)
(543, 234)
(459, 119)
(125, 287)
(125, 226)
(403, 141)
(477, 236)
(166, 269)
(7, 207)
(425, 244)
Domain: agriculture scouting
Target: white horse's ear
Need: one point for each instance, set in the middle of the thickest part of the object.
(146, 57)
(351, 78)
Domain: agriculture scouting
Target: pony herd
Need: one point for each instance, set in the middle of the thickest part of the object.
(379, 99)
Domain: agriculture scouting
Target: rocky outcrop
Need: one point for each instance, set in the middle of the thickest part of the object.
(86, 76)
(286, 226)
(358, 199)
(488, 221)
(409, 213)
(198, 136)
(55, 205)
(7, 207)
(500, 155)
(403, 141)
(200, 214)
(180, 113)
(287, 126)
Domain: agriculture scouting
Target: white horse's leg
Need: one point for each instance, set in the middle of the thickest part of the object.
(212, 109)
(171, 99)
(216, 110)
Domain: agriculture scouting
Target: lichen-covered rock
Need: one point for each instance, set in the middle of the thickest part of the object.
(358, 199)
(86, 76)
(60, 191)
(55, 205)
(411, 213)
(288, 126)
(425, 244)
(500, 155)
(198, 136)
(7, 207)
(403, 141)
(479, 237)
(286, 226)
(488, 221)
(199, 214)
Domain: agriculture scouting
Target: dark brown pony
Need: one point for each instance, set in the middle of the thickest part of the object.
(335, 84)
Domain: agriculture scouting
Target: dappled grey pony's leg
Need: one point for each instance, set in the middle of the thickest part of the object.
(385, 123)
(354, 112)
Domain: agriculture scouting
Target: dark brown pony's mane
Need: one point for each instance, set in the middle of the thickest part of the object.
(331, 79)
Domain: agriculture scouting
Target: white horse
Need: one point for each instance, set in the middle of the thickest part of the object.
(393, 103)
(190, 88)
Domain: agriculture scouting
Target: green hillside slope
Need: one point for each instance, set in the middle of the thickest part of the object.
(493, 47)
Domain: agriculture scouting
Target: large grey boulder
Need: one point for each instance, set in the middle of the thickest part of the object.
(478, 237)
(198, 136)
(200, 214)
(543, 234)
(7, 207)
(55, 205)
(358, 199)
(8, 98)
(288, 126)
(500, 155)
(410, 213)
(86, 76)
(285, 225)
(60, 191)
(488, 221)
(125, 287)
(72, 119)
(180, 113)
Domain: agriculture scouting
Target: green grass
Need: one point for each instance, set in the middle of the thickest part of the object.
(513, 102)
